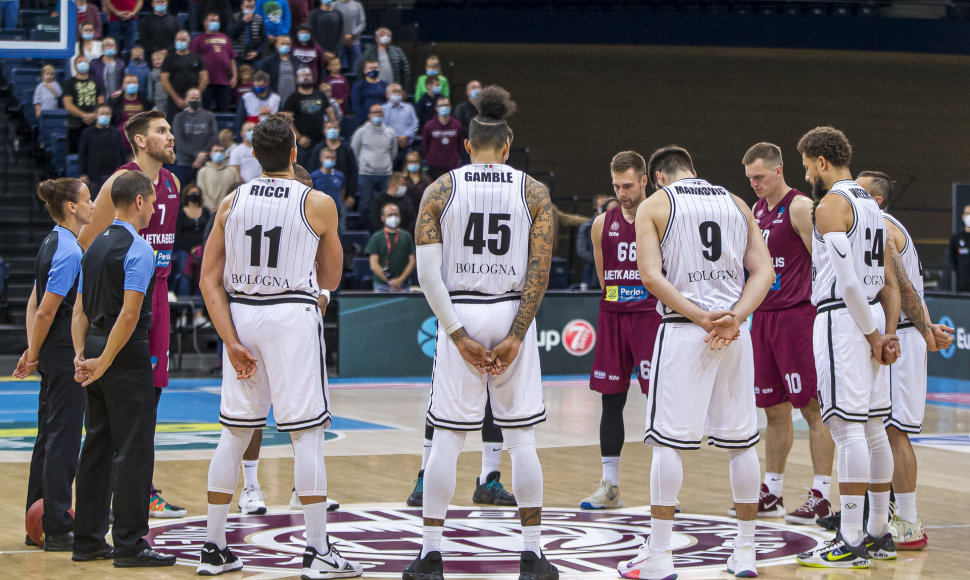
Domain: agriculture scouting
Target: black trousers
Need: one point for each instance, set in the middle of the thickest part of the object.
(119, 451)
(217, 98)
(60, 412)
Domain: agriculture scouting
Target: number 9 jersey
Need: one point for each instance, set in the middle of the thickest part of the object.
(485, 231)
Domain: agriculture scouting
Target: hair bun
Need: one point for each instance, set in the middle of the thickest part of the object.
(45, 191)
(496, 103)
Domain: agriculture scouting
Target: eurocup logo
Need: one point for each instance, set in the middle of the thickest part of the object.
(428, 336)
(948, 352)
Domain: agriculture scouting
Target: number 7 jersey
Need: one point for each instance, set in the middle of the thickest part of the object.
(485, 231)
(270, 247)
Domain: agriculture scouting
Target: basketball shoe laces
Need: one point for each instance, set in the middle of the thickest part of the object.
(812, 501)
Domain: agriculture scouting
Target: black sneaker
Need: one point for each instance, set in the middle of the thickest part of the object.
(831, 522)
(59, 543)
(427, 568)
(147, 558)
(107, 552)
(29, 542)
(213, 561)
(532, 567)
(416, 499)
(492, 492)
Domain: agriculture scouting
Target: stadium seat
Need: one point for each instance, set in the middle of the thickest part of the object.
(73, 170)
(355, 237)
(52, 124)
(226, 121)
(183, 20)
(363, 277)
(559, 274)
(59, 153)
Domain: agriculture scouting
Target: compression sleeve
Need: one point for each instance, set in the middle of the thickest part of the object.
(429, 257)
(840, 255)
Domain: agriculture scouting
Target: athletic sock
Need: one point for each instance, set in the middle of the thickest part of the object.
(250, 468)
(660, 531)
(906, 506)
(745, 533)
(774, 481)
(851, 526)
(315, 515)
(425, 454)
(611, 469)
(432, 539)
(878, 524)
(215, 525)
(491, 456)
(530, 540)
(823, 483)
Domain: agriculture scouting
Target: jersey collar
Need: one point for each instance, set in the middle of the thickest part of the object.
(126, 225)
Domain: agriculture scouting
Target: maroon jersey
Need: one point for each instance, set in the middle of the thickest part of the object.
(160, 232)
(789, 256)
(622, 289)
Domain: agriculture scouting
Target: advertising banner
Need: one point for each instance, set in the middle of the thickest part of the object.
(952, 310)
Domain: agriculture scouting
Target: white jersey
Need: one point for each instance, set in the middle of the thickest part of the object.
(704, 245)
(867, 240)
(485, 231)
(911, 263)
(270, 246)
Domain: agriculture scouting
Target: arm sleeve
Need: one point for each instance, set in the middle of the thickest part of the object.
(360, 20)
(65, 268)
(139, 267)
(840, 255)
(429, 257)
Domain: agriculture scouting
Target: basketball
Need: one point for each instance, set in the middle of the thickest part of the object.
(35, 522)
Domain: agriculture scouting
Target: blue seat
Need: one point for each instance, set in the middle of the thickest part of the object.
(226, 121)
(59, 153)
(73, 169)
(183, 20)
(25, 75)
(363, 277)
(355, 237)
(559, 274)
(52, 124)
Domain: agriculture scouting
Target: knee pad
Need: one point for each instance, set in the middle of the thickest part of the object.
(853, 450)
(880, 453)
(309, 467)
(666, 476)
(745, 472)
(526, 469)
(224, 467)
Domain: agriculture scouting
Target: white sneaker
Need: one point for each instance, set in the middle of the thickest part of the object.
(251, 500)
(295, 504)
(329, 565)
(743, 562)
(605, 496)
(648, 566)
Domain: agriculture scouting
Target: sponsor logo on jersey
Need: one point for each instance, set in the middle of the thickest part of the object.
(625, 293)
(614, 377)
(616, 225)
(163, 258)
(579, 337)
(159, 239)
(599, 375)
(777, 284)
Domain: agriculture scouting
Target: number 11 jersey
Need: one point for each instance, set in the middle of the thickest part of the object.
(485, 231)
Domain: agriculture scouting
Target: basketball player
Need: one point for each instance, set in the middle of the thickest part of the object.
(268, 236)
(848, 252)
(694, 242)
(628, 319)
(784, 369)
(907, 376)
(484, 236)
(153, 144)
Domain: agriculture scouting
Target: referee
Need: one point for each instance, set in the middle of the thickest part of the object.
(110, 332)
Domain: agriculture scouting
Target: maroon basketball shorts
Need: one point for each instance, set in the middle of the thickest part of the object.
(158, 334)
(624, 342)
(784, 364)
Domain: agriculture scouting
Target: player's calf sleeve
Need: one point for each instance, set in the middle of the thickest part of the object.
(440, 473)
(526, 470)
(611, 425)
(309, 467)
(224, 467)
(666, 476)
(745, 472)
(853, 450)
(880, 453)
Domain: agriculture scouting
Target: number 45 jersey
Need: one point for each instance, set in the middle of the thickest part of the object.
(270, 246)
(485, 231)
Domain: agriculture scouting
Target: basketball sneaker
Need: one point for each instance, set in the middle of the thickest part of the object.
(159, 508)
(492, 492)
(532, 567)
(605, 496)
(743, 562)
(815, 507)
(416, 499)
(213, 561)
(830, 522)
(427, 568)
(769, 505)
(329, 565)
(251, 500)
(881, 548)
(907, 535)
(647, 565)
(836, 553)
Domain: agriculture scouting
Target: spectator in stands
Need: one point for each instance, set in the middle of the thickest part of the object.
(416, 181)
(441, 141)
(86, 12)
(157, 30)
(368, 91)
(158, 95)
(195, 132)
(308, 52)
(281, 68)
(299, 14)
(228, 140)
(425, 106)
(310, 110)
(395, 193)
(331, 180)
(468, 110)
(392, 62)
(584, 243)
(81, 99)
(216, 51)
(190, 227)
(138, 67)
(346, 161)
(375, 146)
(339, 87)
(125, 105)
(432, 69)
(244, 84)
(47, 95)
(108, 70)
(87, 46)
(401, 117)
(355, 21)
(960, 253)
(391, 252)
(241, 158)
(276, 18)
(221, 7)
(100, 151)
(216, 178)
(181, 71)
(258, 103)
(248, 34)
(334, 105)
(327, 28)
(123, 21)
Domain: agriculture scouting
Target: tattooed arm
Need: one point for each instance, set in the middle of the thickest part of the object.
(537, 276)
(910, 301)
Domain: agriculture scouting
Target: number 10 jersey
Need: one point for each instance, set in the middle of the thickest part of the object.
(485, 231)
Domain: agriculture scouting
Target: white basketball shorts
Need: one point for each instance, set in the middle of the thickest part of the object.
(907, 383)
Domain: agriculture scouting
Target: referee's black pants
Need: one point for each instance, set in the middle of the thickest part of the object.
(119, 451)
(60, 412)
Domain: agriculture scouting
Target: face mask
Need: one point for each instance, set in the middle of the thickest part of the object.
(87, 35)
(193, 198)
(385, 40)
(392, 221)
(83, 67)
(373, 74)
(436, 90)
(103, 120)
(444, 111)
(259, 90)
(401, 190)
(161, 8)
(432, 72)
(110, 52)
(396, 99)
(414, 167)
(249, 136)
(214, 26)
(263, 118)
(218, 157)
(474, 94)
(333, 134)
(131, 89)
(285, 49)
(136, 60)
(377, 121)
(304, 36)
(181, 45)
(329, 163)
(248, 12)
(966, 221)
(326, 2)
(194, 105)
